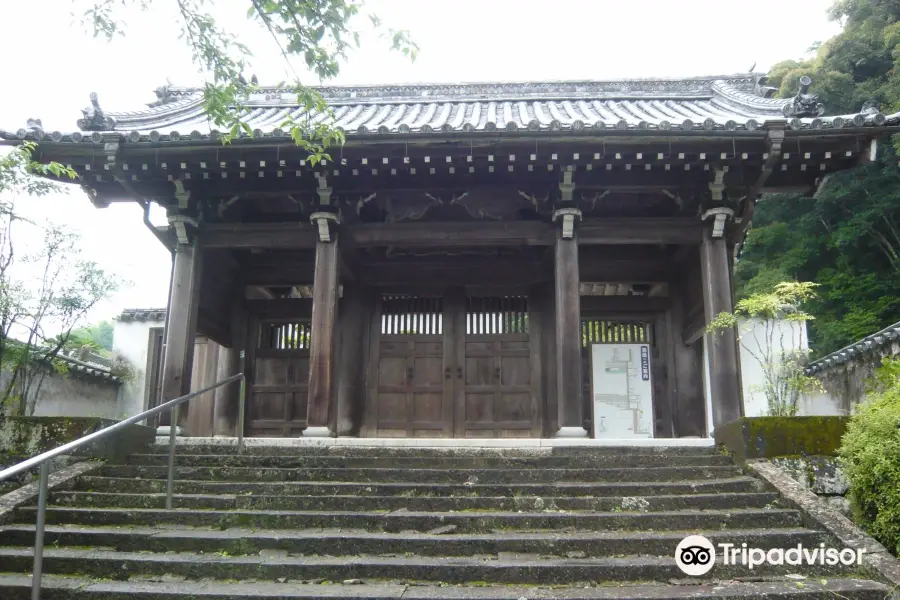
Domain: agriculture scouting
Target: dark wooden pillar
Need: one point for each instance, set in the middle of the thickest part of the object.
(546, 304)
(181, 326)
(568, 334)
(689, 404)
(226, 407)
(353, 326)
(322, 336)
(721, 347)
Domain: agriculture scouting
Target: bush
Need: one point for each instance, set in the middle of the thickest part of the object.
(870, 455)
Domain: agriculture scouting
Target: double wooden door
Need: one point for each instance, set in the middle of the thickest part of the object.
(453, 365)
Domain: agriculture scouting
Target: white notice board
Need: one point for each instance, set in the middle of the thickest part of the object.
(622, 391)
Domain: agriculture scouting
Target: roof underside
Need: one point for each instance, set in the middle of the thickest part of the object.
(728, 103)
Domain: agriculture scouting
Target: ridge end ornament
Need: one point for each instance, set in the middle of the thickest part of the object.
(804, 104)
(164, 95)
(94, 118)
(761, 89)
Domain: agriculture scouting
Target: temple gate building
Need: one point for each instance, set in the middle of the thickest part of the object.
(473, 256)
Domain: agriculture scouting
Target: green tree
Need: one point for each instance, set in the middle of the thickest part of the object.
(98, 335)
(317, 32)
(847, 237)
(773, 334)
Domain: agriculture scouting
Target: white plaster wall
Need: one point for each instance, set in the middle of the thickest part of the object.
(824, 404)
(131, 340)
(785, 335)
(73, 395)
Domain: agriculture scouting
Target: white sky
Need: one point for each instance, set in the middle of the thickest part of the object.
(51, 64)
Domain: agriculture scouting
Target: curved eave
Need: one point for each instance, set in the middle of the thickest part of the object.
(868, 126)
(876, 341)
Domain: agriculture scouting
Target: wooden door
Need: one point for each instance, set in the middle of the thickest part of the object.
(498, 393)
(276, 406)
(410, 377)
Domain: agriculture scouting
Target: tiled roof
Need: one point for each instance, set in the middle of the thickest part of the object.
(877, 341)
(88, 368)
(726, 103)
(142, 314)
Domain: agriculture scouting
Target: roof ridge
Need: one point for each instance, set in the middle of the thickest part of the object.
(440, 84)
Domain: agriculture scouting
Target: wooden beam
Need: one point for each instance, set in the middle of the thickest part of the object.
(623, 271)
(674, 230)
(448, 235)
(258, 235)
(322, 338)
(436, 274)
(663, 230)
(622, 304)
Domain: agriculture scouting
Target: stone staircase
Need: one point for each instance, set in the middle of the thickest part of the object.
(352, 522)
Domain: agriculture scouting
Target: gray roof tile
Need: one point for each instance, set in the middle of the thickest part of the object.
(710, 103)
(877, 340)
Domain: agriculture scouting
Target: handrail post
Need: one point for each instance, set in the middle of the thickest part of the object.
(38, 568)
(241, 409)
(170, 482)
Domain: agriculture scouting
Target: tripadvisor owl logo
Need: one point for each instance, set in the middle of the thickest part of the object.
(695, 555)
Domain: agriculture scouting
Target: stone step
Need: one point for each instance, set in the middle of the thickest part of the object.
(270, 447)
(17, 587)
(441, 462)
(514, 570)
(242, 541)
(363, 503)
(400, 520)
(299, 488)
(382, 475)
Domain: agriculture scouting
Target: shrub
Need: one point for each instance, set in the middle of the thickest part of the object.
(870, 455)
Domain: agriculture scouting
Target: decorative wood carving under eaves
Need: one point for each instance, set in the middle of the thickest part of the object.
(478, 204)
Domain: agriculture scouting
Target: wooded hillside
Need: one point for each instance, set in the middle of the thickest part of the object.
(847, 238)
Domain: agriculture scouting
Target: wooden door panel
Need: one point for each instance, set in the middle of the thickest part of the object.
(497, 392)
(409, 394)
(515, 371)
(514, 408)
(278, 389)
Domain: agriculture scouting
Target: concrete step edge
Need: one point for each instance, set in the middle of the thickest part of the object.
(83, 587)
(315, 533)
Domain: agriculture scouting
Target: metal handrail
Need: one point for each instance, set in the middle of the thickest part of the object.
(43, 458)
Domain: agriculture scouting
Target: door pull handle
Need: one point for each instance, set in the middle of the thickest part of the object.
(459, 372)
(447, 374)
(409, 374)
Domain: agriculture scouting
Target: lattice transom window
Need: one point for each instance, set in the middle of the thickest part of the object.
(496, 315)
(603, 331)
(411, 315)
(285, 335)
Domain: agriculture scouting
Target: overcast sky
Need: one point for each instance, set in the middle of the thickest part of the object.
(50, 65)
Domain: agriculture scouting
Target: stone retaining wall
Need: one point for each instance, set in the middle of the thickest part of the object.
(822, 475)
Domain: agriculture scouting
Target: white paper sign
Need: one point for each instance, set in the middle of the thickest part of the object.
(622, 391)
